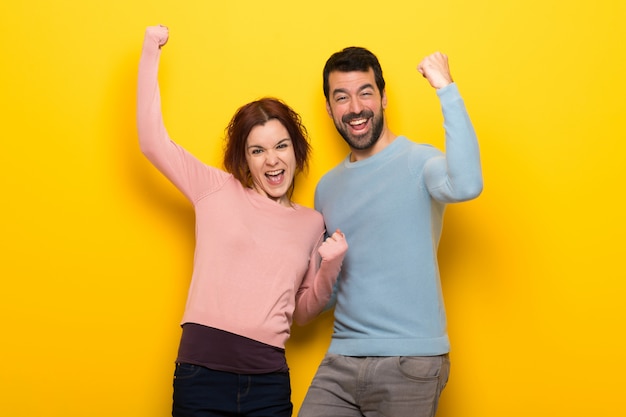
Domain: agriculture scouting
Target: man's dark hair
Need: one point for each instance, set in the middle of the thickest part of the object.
(353, 58)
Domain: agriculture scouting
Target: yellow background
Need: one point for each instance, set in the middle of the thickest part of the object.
(96, 246)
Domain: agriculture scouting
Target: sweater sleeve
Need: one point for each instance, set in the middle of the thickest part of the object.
(317, 287)
(180, 167)
(457, 175)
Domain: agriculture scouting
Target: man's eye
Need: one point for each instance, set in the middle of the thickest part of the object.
(341, 98)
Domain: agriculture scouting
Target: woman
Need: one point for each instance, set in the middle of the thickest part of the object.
(260, 261)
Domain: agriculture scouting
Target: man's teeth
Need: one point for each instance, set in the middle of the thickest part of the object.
(357, 122)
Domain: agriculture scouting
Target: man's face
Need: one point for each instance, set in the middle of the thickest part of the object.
(356, 107)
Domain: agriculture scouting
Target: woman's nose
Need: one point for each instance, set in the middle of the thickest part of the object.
(271, 158)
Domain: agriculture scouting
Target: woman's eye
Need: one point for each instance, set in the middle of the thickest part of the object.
(256, 151)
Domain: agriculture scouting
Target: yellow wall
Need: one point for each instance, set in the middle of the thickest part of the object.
(96, 246)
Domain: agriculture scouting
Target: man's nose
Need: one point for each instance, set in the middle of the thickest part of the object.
(356, 106)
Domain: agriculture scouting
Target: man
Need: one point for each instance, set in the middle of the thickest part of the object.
(389, 350)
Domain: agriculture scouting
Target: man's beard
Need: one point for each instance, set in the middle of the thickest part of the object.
(367, 140)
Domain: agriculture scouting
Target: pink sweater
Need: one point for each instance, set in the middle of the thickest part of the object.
(256, 265)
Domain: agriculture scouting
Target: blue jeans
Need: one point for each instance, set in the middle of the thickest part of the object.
(398, 386)
(203, 392)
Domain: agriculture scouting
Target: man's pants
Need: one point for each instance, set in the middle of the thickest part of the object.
(396, 386)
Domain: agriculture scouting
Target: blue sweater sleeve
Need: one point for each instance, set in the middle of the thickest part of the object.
(455, 176)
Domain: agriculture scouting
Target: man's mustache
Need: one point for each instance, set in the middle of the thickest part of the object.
(365, 114)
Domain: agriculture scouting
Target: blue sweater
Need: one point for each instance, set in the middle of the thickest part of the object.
(390, 207)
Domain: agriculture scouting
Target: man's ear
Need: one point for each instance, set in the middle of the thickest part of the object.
(384, 99)
(328, 110)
